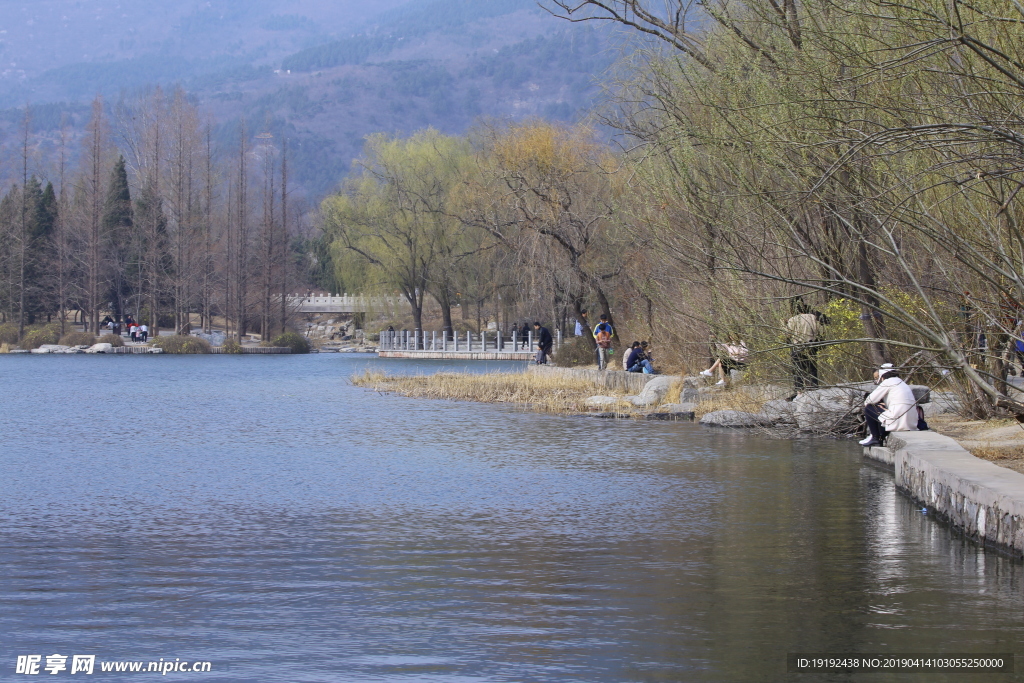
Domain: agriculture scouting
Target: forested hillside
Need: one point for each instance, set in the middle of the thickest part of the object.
(323, 75)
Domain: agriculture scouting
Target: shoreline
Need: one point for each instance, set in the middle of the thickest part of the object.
(977, 497)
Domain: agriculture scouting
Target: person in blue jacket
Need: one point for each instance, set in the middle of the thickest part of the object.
(603, 333)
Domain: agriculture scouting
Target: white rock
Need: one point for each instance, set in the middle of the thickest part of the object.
(653, 393)
(602, 401)
(677, 407)
(689, 395)
(834, 410)
(936, 408)
(102, 347)
(51, 348)
(155, 349)
(779, 412)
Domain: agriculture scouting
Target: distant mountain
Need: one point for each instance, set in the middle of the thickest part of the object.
(322, 74)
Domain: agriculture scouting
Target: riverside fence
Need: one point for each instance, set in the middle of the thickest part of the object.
(482, 342)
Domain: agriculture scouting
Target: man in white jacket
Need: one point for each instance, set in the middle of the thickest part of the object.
(889, 408)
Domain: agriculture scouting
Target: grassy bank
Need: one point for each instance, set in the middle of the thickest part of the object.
(539, 392)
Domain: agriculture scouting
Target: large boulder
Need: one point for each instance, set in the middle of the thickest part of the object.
(836, 410)
(683, 407)
(764, 392)
(732, 418)
(779, 411)
(602, 402)
(102, 347)
(689, 395)
(653, 393)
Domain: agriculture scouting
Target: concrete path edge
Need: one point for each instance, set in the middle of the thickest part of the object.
(977, 497)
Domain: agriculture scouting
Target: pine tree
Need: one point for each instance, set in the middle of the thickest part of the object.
(41, 213)
(118, 226)
(42, 227)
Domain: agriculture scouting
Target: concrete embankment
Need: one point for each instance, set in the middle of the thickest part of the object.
(983, 500)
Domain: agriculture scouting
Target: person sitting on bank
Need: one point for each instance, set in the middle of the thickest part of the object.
(637, 360)
(627, 355)
(889, 408)
(734, 358)
(544, 343)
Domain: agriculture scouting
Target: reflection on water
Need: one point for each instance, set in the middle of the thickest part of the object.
(260, 513)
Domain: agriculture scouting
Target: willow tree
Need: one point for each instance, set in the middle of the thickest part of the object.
(396, 217)
(865, 152)
(552, 194)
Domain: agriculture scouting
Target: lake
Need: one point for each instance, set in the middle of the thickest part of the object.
(260, 513)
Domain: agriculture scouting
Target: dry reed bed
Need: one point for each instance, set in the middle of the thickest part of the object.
(747, 398)
(542, 393)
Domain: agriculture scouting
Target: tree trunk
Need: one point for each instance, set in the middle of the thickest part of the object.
(444, 299)
(874, 323)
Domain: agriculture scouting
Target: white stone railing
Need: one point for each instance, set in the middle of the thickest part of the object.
(488, 340)
(341, 303)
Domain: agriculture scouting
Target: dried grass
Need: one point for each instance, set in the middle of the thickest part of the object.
(182, 344)
(998, 452)
(729, 399)
(78, 339)
(543, 393)
(112, 339)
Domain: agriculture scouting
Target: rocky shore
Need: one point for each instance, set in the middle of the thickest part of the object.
(831, 411)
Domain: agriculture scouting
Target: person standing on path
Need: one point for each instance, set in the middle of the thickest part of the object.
(603, 333)
(525, 332)
(144, 330)
(804, 331)
(544, 343)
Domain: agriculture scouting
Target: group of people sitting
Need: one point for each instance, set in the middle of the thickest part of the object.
(639, 358)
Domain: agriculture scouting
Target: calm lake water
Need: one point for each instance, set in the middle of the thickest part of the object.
(260, 513)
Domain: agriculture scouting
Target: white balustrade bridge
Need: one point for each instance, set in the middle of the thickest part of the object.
(343, 303)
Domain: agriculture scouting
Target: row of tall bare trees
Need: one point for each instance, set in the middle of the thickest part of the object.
(152, 221)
